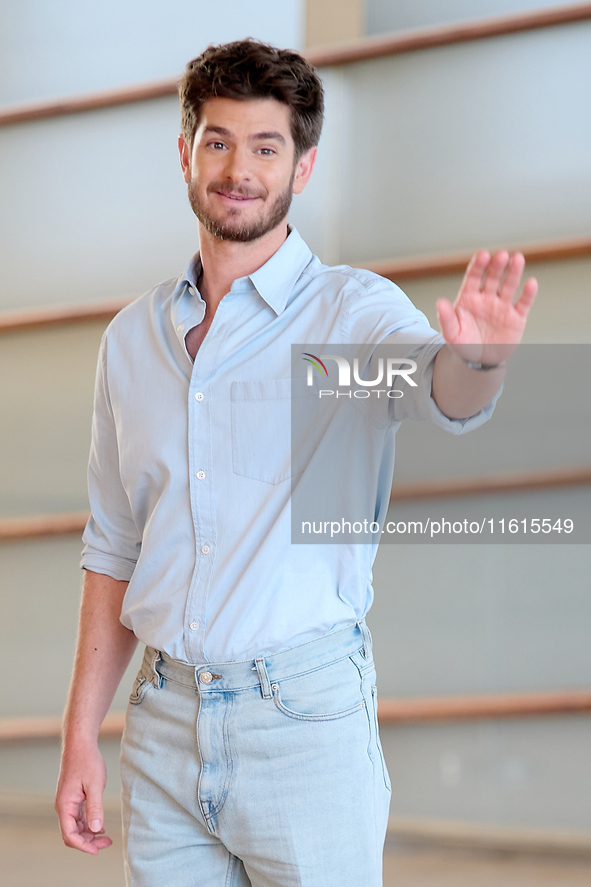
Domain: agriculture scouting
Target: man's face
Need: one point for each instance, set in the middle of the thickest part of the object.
(241, 171)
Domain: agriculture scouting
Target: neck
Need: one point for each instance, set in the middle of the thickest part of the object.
(224, 261)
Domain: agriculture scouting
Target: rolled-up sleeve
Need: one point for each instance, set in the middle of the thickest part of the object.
(388, 318)
(454, 426)
(111, 537)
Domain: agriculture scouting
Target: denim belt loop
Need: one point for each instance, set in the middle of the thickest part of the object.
(367, 642)
(263, 678)
(156, 678)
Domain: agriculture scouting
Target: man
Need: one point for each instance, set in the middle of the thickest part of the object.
(250, 754)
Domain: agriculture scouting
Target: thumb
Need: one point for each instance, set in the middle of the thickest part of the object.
(448, 320)
(94, 808)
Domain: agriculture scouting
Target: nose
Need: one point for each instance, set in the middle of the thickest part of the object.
(237, 168)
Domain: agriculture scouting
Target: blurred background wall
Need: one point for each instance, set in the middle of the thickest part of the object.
(429, 151)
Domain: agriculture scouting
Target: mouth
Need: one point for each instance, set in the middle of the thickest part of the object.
(235, 198)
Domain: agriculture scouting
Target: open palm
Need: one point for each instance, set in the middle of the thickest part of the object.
(486, 323)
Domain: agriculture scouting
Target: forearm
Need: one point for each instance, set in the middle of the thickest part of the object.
(103, 651)
(458, 390)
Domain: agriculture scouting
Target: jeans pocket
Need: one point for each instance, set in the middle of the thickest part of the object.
(325, 694)
(378, 744)
(141, 686)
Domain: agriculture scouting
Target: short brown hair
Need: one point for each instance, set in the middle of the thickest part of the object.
(248, 69)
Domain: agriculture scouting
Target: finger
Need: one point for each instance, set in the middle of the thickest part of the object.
(495, 271)
(448, 320)
(82, 827)
(475, 270)
(99, 842)
(89, 843)
(512, 277)
(526, 299)
(94, 808)
(76, 835)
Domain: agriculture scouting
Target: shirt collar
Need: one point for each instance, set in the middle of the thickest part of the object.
(186, 305)
(190, 275)
(275, 279)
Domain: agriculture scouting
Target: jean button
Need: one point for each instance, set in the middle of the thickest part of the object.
(205, 677)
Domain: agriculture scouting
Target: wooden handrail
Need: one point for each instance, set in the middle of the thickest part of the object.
(390, 712)
(447, 35)
(490, 837)
(397, 270)
(46, 728)
(61, 315)
(361, 50)
(500, 705)
(42, 525)
(504, 482)
(96, 101)
(454, 263)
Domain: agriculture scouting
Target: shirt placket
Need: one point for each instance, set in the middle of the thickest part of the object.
(201, 453)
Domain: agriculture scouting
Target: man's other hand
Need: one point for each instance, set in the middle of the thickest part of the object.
(79, 799)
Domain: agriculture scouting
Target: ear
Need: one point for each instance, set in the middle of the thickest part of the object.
(185, 157)
(304, 168)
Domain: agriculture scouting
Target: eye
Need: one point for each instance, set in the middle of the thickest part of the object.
(266, 152)
(217, 146)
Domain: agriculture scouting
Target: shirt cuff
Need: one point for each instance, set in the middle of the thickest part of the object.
(116, 567)
(461, 426)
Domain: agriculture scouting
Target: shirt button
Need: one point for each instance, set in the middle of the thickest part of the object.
(192, 290)
(200, 475)
(199, 395)
(205, 549)
(194, 626)
(180, 327)
(206, 677)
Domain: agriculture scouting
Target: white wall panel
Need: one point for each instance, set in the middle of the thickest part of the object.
(532, 772)
(40, 582)
(420, 153)
(562, 310)
(463, 145)
(458, 619)
(65, 47)
(317, 211)
(97, 206)
(396, 15)
(32, 770)
(46, 388)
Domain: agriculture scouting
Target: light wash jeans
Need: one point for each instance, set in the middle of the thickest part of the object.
(266, 773)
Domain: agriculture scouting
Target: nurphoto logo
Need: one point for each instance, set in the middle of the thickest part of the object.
(394, 366)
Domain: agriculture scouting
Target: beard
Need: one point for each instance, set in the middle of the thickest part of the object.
(231, 228)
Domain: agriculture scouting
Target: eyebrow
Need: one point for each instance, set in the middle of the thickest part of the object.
(264, 136)
(256, 137)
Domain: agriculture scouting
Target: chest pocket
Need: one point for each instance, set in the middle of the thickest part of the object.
(261, 430)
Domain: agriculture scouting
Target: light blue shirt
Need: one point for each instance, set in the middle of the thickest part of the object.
(189, 476)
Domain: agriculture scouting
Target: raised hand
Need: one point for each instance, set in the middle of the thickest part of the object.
(486, 323)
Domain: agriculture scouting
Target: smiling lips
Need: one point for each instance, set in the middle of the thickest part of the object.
(237, 196)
